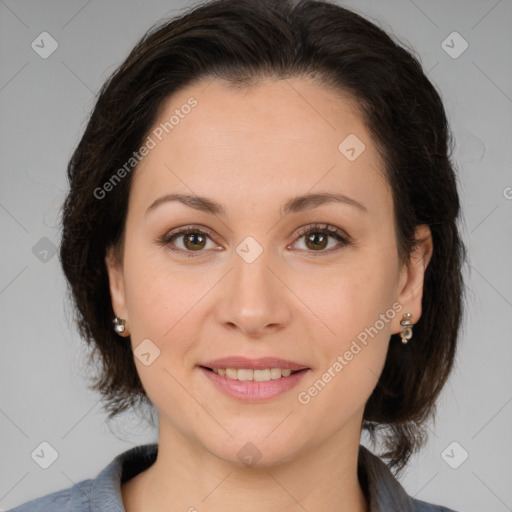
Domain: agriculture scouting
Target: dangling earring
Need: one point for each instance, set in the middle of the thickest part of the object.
(119, 325)
(406, 333)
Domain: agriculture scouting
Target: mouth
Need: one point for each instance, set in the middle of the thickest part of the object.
(253, 380)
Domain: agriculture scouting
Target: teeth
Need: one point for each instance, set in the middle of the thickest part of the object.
(245, 374)
(257, 375)
(262, 375)
(231, 373)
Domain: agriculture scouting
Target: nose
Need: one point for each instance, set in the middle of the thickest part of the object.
(254, 298)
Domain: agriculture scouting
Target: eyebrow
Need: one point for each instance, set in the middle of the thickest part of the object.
(293, 205)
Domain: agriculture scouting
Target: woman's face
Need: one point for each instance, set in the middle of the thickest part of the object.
(248, 282)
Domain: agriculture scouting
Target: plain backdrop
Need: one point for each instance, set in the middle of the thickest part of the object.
(44, 103)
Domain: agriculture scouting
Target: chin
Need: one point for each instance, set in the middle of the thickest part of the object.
(255, 450)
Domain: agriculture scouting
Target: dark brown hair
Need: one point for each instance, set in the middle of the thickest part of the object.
(243, 41)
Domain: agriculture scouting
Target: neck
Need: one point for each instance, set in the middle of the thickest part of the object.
(185, 477)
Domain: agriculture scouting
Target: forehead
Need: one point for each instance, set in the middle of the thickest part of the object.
(275, 139)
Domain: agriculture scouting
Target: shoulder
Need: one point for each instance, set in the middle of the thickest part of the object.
(423, 506)
(100, 493)
(73, 499)
(383, 491)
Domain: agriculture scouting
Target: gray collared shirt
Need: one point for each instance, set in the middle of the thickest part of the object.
(103, 493)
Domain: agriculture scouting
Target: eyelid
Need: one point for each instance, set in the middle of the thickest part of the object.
(191, 228)
(325, 227)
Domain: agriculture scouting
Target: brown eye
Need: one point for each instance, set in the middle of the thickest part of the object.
(194, 241)
(187, 241)
(316, 238)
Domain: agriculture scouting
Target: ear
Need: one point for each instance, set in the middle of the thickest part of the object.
(410, 285)
(116, 283)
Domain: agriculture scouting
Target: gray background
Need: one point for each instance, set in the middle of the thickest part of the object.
(44, 105)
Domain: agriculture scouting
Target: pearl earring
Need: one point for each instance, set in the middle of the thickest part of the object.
(119, 324)
(406, 333)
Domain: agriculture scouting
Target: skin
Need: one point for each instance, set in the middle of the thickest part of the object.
(251, 150)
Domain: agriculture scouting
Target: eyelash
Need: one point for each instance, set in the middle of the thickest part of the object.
(325, 229)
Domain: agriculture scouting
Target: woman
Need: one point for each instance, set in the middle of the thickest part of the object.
(261, 240)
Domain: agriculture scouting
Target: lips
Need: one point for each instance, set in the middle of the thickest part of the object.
(252, 391)
(252, 364)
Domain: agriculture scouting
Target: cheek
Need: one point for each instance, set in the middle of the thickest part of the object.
(355, 301)
(352, 360)
(163, 307)
(351, 295)
(161, 294)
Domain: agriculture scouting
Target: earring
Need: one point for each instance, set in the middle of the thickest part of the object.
(406, 333)
(119, 324)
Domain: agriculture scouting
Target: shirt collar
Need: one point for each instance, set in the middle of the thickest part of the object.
(382, 490)
(380, 487)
